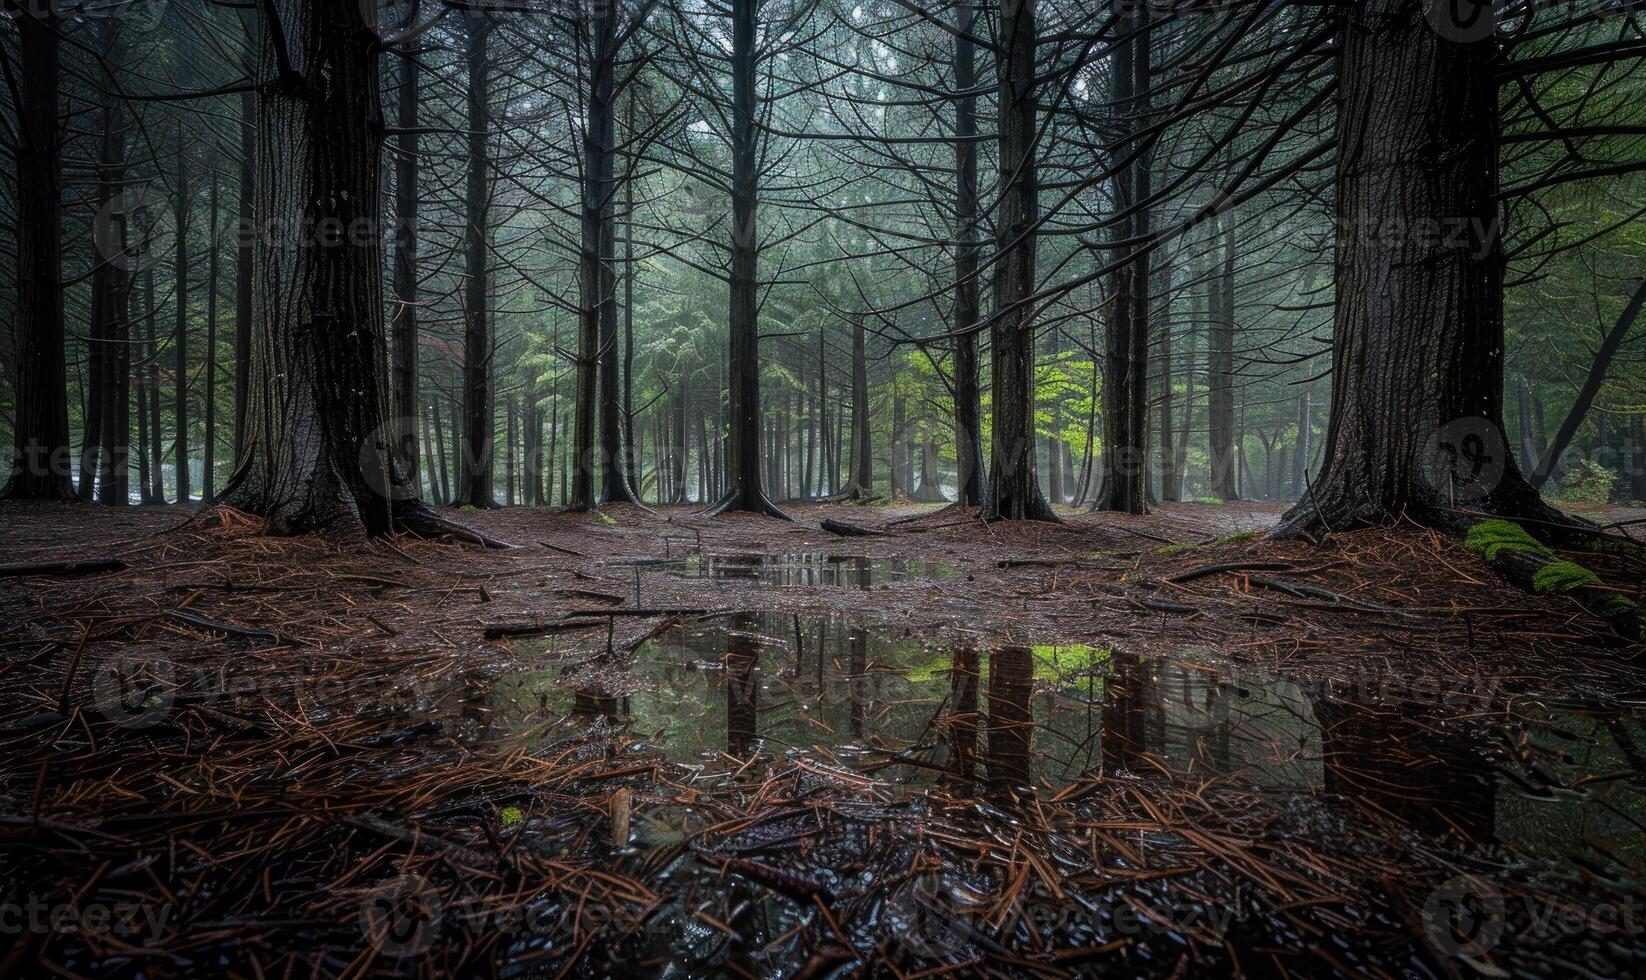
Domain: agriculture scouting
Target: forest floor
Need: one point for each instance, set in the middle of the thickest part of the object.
(1153, 744)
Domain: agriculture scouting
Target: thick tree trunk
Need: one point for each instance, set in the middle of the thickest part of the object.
(744, 489)
(598, 267)
(968, 412)
(323, 445)
(41, 457)
(1416, 426)
(403, 326)
(1014, 487)
(475, 465)
(1126, 351)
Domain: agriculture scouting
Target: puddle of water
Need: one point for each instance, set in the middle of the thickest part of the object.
(1544, 780)
(811, 570)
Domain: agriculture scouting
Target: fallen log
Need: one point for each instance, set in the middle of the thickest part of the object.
(73, 566)
(844, 530)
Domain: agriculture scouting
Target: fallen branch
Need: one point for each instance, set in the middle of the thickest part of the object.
(1202, 571)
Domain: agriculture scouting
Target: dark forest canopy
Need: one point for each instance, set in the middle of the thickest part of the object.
(330, 258)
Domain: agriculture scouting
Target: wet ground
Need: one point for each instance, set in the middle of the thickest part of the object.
(748, 748)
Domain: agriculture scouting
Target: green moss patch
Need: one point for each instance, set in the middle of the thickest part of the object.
(1562, 576)
(1488, 538)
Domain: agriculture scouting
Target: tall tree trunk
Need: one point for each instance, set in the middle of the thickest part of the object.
(968, 412)
(1528, 448)
(245, 239)
(631, 455)
(475, 465)
(445, 491)
(511, 438)
(1014, 486)
(861, 484)
(180, 340)
(157, 476)
(1197, 310)
(599, 218)
(40, 464)
(208, 476)
(1171, 478)
(1220, 416)
(1416, 425)
(323, 448)
(1126, 351)
(744, 487)
(114, 479)
(403, 327)
(1300, 455)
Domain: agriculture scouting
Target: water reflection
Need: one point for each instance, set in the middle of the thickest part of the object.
(1021, 719)
(1011, 722)
(810, 570)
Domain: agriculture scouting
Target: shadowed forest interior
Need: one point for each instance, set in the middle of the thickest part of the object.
(823, 488)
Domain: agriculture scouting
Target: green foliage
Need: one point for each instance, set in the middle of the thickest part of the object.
(1213, 501)
(511, 817)
(1055, 664)
(1587, 482)
(1562, 576)
(1488, 538)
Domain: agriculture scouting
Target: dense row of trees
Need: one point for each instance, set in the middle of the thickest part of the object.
(319, 258)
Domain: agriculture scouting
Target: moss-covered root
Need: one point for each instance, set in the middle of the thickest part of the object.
(1527, 562)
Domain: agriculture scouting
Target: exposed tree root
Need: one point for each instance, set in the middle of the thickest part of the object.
(418, 518)
(745, 498)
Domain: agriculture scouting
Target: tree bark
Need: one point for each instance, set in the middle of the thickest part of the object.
(208, 464)
(1014, 486)
(180, 339)
(246, 239)
(323, 446)
(475, 465)
(1220, 415)
(403, 327)
(41, 457)
(744, 487)
(1416, 424)
(968, 412)
(1126, 351)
